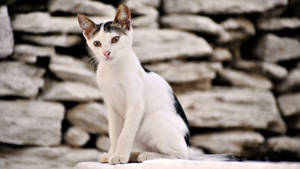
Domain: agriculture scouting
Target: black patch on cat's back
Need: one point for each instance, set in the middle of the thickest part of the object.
(179, 110)
(146, 70)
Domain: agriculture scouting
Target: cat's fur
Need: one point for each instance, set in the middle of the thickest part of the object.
(143, 112)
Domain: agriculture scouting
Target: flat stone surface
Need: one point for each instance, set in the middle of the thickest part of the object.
(61, 157)
(193, 23)
(6, 33)
(183, 72)
(90, 117)
(19, 79)
(239, 78)
(164, 44)
(30, 53)
(76, 137)
(289, 104)
(69, 68)
(215, 7)
(224, 107)
(42, 22)
(276, 24)
(285, 144)
(71, 91)
(228, 142)
(188, 164)
(31, 122)
(82, 6)
(53, 40)
(273, 48)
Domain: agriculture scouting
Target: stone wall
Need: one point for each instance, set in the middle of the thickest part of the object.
(235, 66)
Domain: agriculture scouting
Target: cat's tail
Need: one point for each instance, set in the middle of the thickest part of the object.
(196, 155)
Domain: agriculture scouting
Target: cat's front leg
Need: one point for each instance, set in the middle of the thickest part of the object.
(134, 115)
(115, 123)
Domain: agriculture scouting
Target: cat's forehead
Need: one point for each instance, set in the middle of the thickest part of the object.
(110, 27)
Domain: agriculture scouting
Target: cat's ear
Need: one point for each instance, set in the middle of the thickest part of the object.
(123, 17)
(87, 26)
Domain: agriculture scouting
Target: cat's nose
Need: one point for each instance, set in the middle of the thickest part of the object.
(106, 53)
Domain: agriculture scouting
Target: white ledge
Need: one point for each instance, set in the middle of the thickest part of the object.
(188, 164)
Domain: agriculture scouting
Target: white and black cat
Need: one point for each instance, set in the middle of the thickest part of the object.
(143, 112)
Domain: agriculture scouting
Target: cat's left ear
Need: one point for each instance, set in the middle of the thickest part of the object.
(87, 26)
(123, 17)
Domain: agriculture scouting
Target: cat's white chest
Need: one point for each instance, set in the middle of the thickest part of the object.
(113, 91)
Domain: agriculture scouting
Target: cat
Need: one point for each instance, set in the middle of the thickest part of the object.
(143, 111)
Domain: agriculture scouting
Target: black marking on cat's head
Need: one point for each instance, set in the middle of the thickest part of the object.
(98, 28)
(112, 27)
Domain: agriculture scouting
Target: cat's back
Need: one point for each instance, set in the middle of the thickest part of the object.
(158, 93)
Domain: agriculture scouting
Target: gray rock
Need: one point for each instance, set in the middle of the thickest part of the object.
(82, 6)
(6, 34)
(19, 79)
(90, 117)
(68, 68)
(42, 22)
(232, 107)
(276, 24)
(164, 44)
(183, 72)
(221, 54)
(103, 143)
(221, 6)
(272, 48)
(271, 70)
(291, 82)
(31, 122)
(146, 17)
(53, 40)
(228, 142)
(71, 91)
(289, 104)
(30, 53)
(192, 23)
(285, 144)
(61, 157)
(137, 3)
(239, 78)
(76, 137)
(236, 29)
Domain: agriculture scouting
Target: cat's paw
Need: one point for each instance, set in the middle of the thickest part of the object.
(118, 159)
(103, 158)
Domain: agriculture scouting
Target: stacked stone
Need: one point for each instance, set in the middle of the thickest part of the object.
(235, 66)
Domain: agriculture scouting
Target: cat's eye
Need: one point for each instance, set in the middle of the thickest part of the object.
(97, 43)
(115, 39)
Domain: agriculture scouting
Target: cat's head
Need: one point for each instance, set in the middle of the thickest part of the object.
(106, 40)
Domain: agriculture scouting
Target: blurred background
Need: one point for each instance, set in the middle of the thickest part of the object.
(234, 64)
